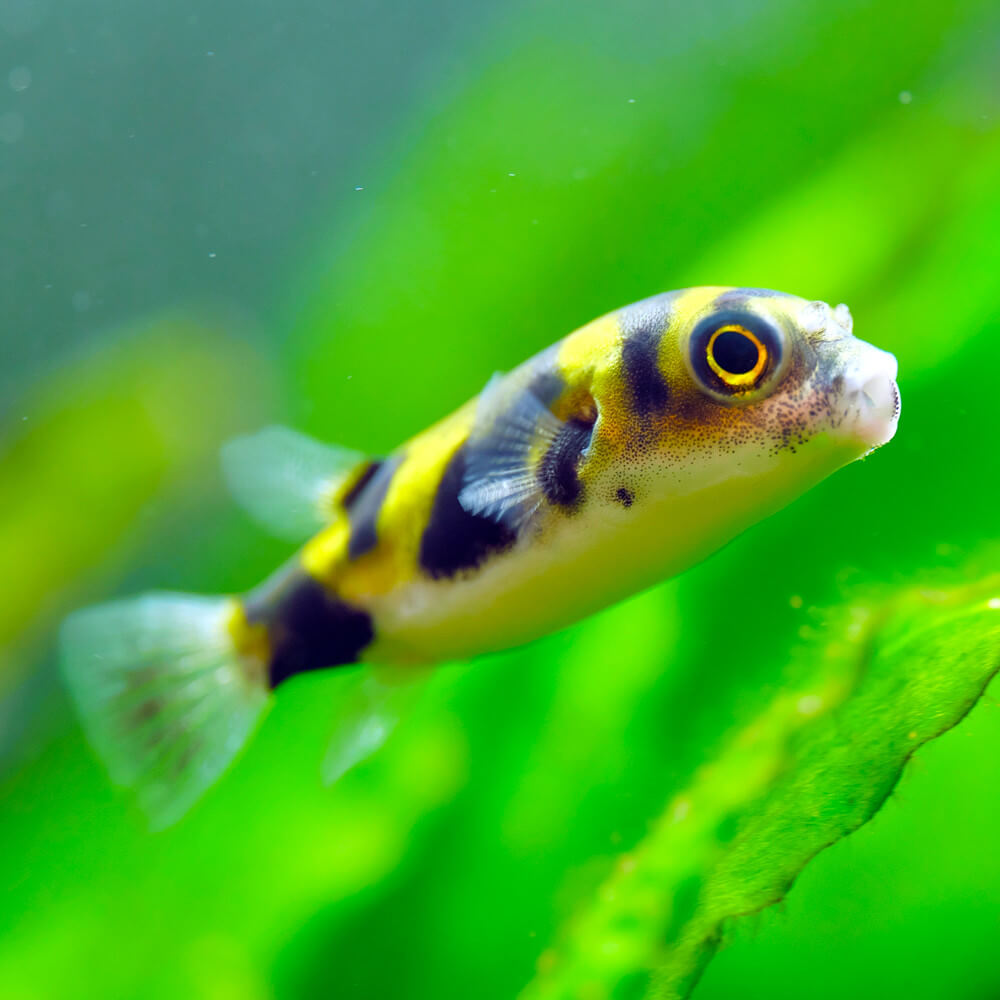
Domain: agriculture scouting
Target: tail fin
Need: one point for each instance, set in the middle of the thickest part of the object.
(164, 696)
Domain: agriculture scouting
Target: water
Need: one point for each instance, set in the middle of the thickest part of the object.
(345, 219)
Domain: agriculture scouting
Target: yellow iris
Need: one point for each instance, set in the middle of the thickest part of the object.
(737, 379)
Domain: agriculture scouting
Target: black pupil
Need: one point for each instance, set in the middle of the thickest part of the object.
(735, 352)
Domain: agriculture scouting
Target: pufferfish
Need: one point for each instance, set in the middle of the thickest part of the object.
(619, 456)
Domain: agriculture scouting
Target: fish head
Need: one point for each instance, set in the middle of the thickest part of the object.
(765, 372)
(763, 394)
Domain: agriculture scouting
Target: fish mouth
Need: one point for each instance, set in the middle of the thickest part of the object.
(871, 401)
(878, 406)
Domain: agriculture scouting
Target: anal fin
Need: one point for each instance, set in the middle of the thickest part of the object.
(371, 713)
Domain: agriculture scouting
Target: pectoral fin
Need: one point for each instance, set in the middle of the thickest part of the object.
(520, 455)
(513, 431)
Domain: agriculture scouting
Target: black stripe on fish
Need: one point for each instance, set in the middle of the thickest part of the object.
(455, 540)
(361, 482)
(364, 508)
(308, 627)
(643, 326)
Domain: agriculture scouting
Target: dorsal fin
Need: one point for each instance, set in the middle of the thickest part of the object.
(513, 430)
(288, 482)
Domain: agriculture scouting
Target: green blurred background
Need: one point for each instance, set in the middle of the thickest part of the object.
(344, 217)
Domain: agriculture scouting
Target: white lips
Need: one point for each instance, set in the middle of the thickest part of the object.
(871, 397)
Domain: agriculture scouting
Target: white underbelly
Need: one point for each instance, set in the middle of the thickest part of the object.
(567, 569)
(572, 566)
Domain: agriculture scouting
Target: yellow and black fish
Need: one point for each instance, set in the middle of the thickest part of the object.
(619, 456)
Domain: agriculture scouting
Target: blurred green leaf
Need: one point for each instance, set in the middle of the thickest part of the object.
(97, 442)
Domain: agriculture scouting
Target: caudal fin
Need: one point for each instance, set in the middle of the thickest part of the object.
(164, 696)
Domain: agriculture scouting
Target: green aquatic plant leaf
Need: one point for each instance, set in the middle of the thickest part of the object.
(815, 765)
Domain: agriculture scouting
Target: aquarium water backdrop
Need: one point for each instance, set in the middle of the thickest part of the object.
(777, 776)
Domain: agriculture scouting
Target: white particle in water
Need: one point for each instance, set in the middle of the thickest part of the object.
(905, 97)
(212, 254)
(19, 78)
(358, 187)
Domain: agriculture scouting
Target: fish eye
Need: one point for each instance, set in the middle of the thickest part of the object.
(736, 355)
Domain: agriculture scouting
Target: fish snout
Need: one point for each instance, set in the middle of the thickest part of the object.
(870, 400)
